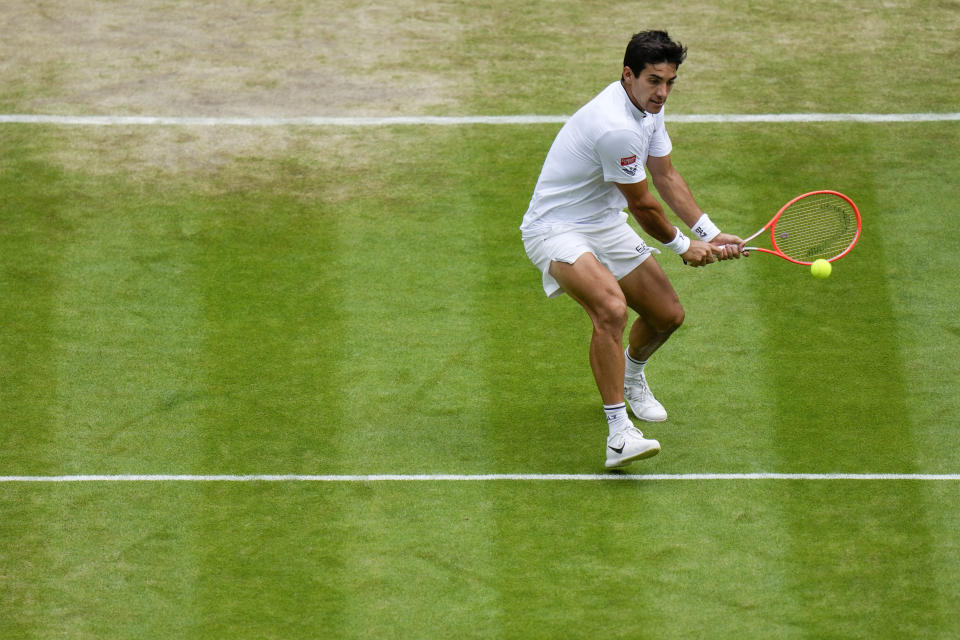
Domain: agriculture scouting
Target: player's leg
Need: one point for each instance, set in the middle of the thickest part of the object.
(648, 292)
(597, 291)
(569, 265)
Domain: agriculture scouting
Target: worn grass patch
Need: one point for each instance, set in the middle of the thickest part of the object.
(350, 58)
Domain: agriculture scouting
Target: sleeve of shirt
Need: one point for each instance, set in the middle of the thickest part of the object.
(660, 144)
(620, 157)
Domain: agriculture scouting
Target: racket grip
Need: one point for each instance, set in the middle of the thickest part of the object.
(744, 251)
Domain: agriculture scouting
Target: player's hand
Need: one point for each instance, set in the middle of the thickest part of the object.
(731, 246)
(700, 253)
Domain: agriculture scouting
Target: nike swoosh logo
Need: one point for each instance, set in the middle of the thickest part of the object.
(620, 450)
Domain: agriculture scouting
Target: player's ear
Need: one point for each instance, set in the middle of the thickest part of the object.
(627, 74)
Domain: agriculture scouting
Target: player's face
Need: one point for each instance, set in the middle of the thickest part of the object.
(649, 89)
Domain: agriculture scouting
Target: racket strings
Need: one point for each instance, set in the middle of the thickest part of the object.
(819, 226)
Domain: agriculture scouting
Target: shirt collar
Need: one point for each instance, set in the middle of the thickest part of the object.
(638, 114)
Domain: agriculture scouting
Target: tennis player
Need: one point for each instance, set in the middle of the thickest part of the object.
(576, 232)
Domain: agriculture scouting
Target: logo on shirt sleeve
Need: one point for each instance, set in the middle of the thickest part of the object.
(629, 165)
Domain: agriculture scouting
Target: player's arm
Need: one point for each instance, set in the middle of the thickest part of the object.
(676, 193)
(648, 212)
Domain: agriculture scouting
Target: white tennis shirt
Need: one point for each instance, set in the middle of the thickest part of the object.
(606, 141)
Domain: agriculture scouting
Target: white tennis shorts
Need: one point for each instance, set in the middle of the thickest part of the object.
(617, 246)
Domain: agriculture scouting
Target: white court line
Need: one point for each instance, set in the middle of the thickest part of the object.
(357, 121)
(515, 477)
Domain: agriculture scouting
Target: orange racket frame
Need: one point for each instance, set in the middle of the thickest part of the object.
(772, 226)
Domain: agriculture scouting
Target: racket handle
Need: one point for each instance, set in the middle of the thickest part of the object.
(745, 249)
(723, 246)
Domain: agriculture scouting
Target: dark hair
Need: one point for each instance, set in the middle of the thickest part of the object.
(652, 47)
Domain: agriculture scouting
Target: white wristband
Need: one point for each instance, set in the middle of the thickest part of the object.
(705, 229)
(679, 244)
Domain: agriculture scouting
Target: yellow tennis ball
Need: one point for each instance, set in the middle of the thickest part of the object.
(821, 268)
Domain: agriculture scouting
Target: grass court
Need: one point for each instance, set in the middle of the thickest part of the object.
(343, 300)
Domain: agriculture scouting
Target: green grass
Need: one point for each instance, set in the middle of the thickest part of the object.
(351, 301)
(482, 560)
(287, 324)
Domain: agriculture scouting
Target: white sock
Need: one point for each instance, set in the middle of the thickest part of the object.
(616, 416)
(634, 368)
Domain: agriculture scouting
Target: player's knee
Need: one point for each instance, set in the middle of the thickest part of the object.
(675, 319)
(612, 315)
(669, 320)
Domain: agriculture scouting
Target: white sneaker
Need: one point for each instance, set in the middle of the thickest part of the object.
(637, 392)
(628, 445)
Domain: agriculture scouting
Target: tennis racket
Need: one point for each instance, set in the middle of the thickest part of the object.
(816, 225)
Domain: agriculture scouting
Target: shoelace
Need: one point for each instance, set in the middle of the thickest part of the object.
(639, 383)
(631, 430)
(637, 432)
